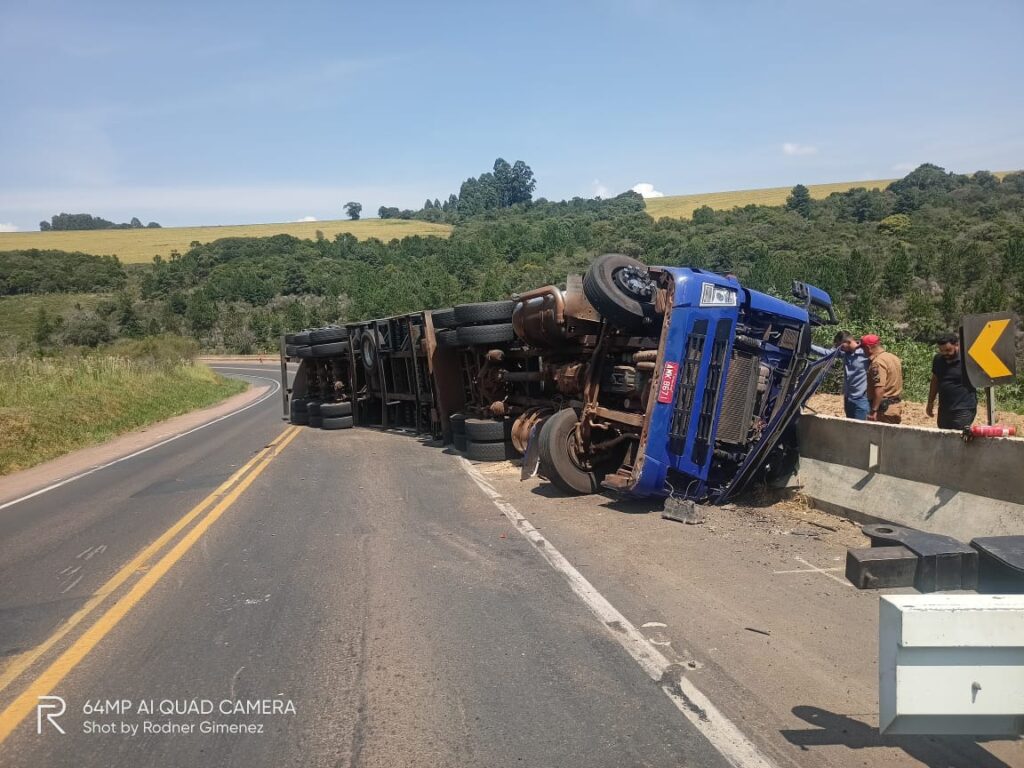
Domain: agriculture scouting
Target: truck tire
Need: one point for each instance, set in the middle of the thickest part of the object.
(369, 345)
(289, 350)
(327, 335)
(447, 337)
(289, 338)
(620, 289)
(488, 451)
(485, 430)
(484, 312)
(459, 441)
(457, 421)
(301, 339)
(300, 418)
(333, 410)
(337, 422)
(304, 351)
(443, 318)
(559, 463)
(331, 349)
(313, 409)
(486, 334)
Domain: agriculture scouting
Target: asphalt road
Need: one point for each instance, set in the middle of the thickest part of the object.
(368, 601)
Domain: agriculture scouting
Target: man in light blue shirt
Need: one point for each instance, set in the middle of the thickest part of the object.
(855, 376)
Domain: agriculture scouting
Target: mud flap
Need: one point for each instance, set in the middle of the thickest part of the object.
(531, 459)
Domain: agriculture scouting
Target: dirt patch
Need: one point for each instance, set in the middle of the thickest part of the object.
(913, 413)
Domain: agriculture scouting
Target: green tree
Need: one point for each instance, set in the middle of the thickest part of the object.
(799, 200)
(42, 328)
(201, 313)
(353, 209)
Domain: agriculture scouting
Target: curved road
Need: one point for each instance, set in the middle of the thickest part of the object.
(356, 596)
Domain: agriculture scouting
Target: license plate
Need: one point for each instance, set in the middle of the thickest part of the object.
(668, 382)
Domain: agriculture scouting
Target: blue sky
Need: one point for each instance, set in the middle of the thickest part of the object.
(235, 112)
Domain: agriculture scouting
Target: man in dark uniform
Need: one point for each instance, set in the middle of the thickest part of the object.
(958, 400)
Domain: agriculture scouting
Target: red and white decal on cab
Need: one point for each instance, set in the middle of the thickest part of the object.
(668, 382)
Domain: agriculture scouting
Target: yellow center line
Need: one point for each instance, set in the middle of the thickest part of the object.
(59, 669)
(23, 661)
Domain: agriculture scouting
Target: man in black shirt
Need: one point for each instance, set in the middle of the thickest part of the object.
(958, 400)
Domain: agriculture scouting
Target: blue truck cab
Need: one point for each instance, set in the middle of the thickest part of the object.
(734, 367)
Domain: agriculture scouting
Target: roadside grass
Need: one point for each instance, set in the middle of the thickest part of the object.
(18, 313)
(51, 406)
(134, 246)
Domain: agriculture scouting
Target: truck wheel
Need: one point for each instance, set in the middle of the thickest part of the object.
(331, 349)
(621, 289)
(326, 335)
(447, 338)
(484, 312)
(301, 339)
(337, 422)
(369, 344)
(459, 442)
(488, 451)
(289, 350)
(332, 410)
(486, 334)
(313, 410)
(443, 318)
(559, 461)
(457, 421)
(485, 430)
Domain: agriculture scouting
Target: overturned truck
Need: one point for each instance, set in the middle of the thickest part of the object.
(648, 381)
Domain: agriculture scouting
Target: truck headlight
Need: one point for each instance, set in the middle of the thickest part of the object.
(712, 295)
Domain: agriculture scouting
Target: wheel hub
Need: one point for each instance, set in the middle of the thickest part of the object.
(635, 281)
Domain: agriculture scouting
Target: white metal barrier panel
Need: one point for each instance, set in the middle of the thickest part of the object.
(951, 664)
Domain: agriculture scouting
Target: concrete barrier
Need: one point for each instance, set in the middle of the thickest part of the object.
(928, 479)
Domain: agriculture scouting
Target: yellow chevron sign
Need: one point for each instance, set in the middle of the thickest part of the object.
(989, 341)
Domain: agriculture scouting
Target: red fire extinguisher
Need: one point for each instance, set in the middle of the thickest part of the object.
(989, 430)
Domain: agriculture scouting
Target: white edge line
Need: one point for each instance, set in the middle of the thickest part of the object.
(98, 467)
(724, 736)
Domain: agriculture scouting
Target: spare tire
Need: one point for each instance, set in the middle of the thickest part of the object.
(621, 289)
(332, 410)
(486, 334)
(484, 430)
(488, 451)
(331, 349)
(369, 345)
(325, 335)
(337, 422)
(484, 312)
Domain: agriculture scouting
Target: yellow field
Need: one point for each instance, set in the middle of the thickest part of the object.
(132, 246)
(683, 206)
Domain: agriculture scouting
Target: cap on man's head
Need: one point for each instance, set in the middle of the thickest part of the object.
(869, 340)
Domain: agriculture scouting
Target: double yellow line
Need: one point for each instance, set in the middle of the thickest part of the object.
(213, 506)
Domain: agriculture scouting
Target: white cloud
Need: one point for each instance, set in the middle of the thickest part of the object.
(793, 149)
(307, 218)
(8, 227)
(598, 189)
(647, 190)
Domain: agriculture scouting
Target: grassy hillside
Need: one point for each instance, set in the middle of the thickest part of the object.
(683, 206)
(18, 313)
(141, 245)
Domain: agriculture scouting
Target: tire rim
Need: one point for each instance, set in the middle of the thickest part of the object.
(634, 282)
